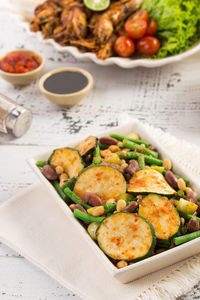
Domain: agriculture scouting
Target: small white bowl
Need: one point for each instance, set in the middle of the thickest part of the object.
(66, 99)
(24, 78)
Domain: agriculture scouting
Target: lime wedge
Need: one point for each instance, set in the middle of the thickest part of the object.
(97, 5)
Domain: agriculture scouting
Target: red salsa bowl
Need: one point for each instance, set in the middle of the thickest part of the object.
(21, 66)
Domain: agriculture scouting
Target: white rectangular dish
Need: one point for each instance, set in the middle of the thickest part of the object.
(147, 265)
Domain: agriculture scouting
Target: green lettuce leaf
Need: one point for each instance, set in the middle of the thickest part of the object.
(178, 24)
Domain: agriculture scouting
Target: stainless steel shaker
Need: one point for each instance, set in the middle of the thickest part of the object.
(13, 117)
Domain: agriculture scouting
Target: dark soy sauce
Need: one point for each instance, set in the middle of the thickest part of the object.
(66, 82)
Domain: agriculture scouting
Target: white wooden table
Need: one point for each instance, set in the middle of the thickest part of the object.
(167, 97)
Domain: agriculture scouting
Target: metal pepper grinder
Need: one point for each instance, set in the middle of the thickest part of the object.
(13, 117)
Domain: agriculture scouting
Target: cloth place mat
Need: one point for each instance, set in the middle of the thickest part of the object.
(34, 225)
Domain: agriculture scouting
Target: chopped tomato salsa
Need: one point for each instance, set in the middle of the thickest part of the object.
(19, 62)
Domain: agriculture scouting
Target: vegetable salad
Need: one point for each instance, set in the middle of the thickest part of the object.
(178, 24)
(131, 201)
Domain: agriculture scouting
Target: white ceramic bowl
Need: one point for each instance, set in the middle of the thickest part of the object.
(147, 265)
(126, 63)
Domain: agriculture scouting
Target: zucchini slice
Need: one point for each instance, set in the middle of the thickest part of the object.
(126, 236)
(69, 159)
(87, 145)
(149, 181)
(104, 181)
(163, 216)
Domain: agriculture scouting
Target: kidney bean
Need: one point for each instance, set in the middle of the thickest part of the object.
(192, 197)
(108, 140)
(133, 167)
(127, 176)
(132, 207)
(92, 199)
(171, 179)
(49, 172)
(193, 225)
(79, 207)
(153, 148)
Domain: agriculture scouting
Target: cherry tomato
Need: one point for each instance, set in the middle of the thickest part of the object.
(136, 29)
(19, 62)
(6, 67)
(140, 15)
(148, 45)
(124, 46)
(152, 28)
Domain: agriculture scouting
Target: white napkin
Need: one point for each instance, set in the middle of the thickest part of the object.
(34, 225)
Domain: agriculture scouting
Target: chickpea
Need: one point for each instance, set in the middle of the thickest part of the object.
(119, 143)
(181, 184)
(121, 264)
(124, 166)
(121, 204)
(72, 207)
(63, 178)
(111, 200)
(114, 148)
(188, 190)
(106, 152)
(59, 170)
(167, 163)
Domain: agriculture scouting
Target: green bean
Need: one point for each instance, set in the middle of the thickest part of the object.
(96, 156)
(138, 148)
(186, 238)
(188, 217)
(41, 163)
(141, 162)
(151, 160)
(180, 193)
(128, 155)
(134, 155)
(75, 198)
(109, 207)
(59, 190)
(109, 214)
(121, 138)
(70, 183)
(103, 146)
(86, 217)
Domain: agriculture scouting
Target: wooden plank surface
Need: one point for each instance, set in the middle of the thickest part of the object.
(167, 97)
